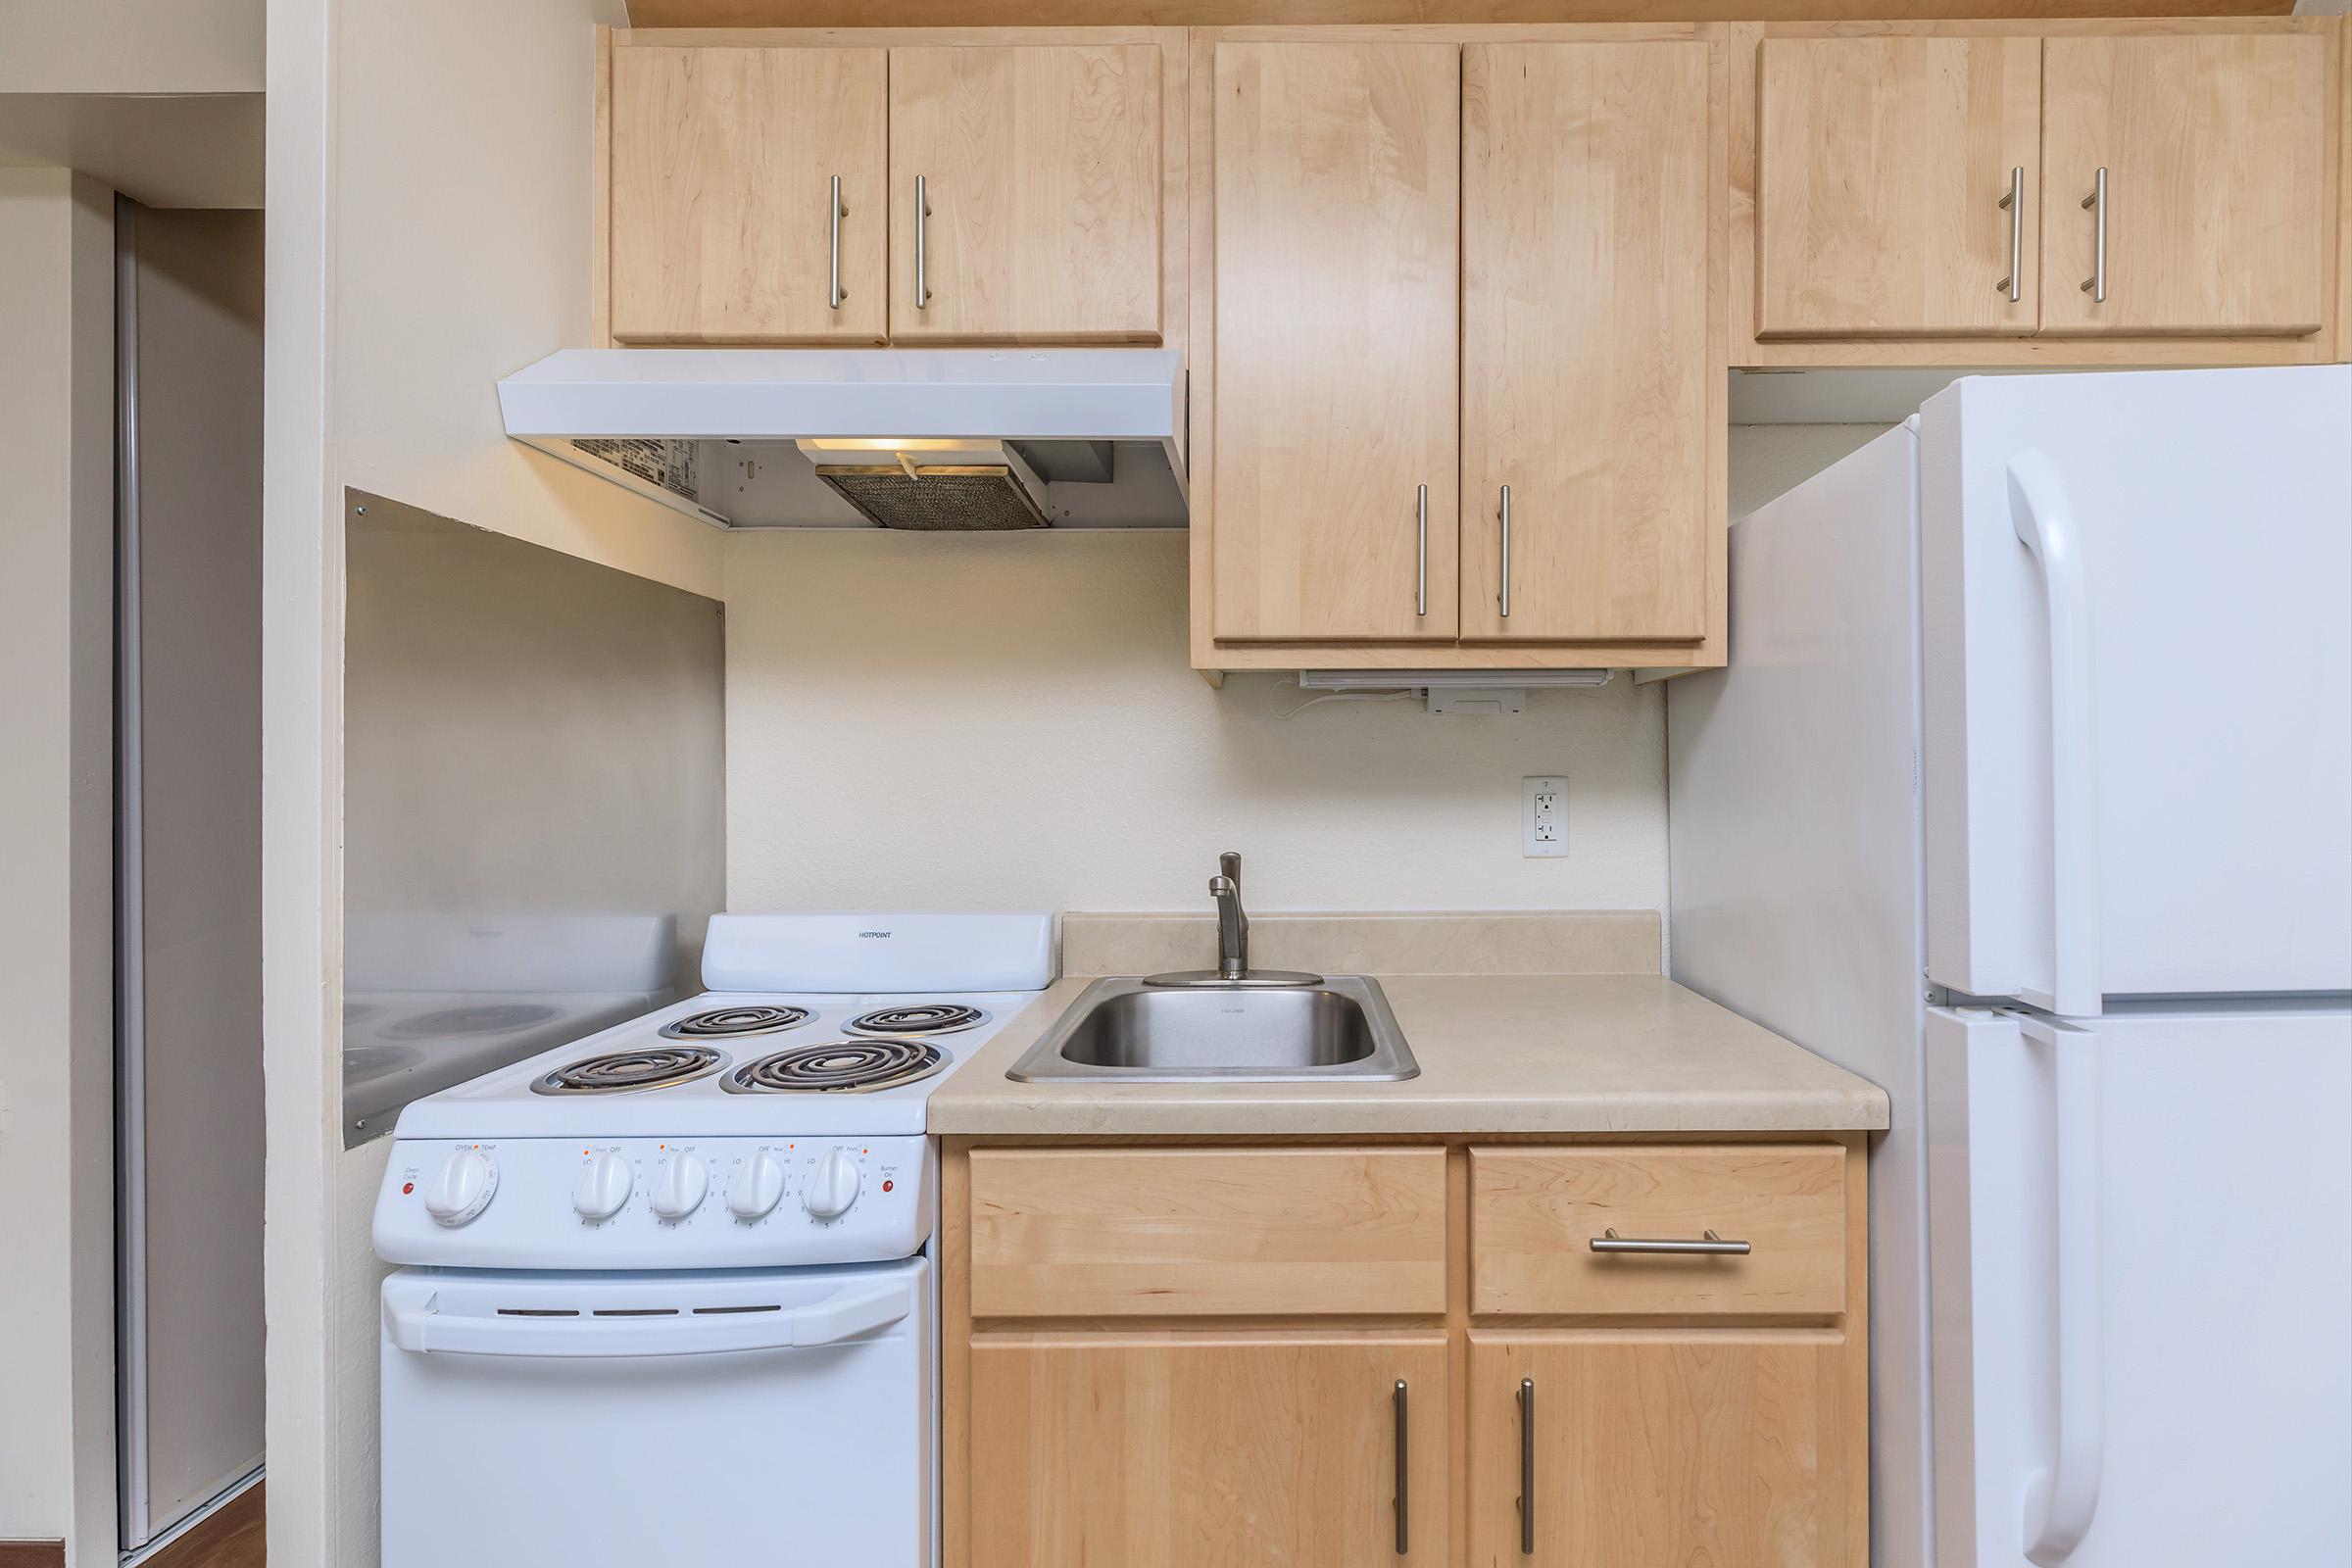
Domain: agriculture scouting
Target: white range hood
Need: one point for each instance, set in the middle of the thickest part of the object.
(938, 439)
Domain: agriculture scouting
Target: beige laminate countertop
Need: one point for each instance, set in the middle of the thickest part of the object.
(1498, 1054)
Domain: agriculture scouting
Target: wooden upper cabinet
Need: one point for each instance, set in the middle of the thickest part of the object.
(1337, 170)
(2215, 147)
(1041, 170)
(722, 226)
(1676, 1448)
(1167, 1451)
(1881, 169)
(1586, 341)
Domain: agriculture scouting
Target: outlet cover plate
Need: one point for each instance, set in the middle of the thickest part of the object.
(1543, 816)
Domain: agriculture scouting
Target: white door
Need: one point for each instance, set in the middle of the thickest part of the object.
(572, 1420)
(2136, 609)
(2141, 1286)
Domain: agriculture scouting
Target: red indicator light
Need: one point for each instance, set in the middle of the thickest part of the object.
(408, 1187)
(887, 1186)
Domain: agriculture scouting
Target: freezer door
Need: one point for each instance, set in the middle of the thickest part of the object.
(2141, 1286)
(2137, 683)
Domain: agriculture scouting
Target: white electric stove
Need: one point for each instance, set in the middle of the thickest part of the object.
(667, 1295)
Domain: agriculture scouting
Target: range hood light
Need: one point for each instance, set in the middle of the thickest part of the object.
(885, 443)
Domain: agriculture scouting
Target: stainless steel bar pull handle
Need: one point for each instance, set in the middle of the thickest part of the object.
(1710, 1244)
(1403, 1482)
(2014, 285)
(922, 271)
(1421, 556)
(1527, 1467)
(837, 293)
(1507, 552)
(2095, 285)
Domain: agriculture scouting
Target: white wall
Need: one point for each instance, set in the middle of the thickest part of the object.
(969, 720)
(972, 720)
(1771, 459)
(57, 1435)
(430, 231)
(461, 253)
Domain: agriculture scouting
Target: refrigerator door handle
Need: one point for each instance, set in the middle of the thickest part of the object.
(2045, 525)
(2063, 1494)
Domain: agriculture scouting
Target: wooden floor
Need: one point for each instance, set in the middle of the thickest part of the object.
(229, 1538)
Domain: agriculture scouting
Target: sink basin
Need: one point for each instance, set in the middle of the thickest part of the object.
(1123, 1031)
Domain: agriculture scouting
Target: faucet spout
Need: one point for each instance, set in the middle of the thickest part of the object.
(1233, 942)
(1233, 921)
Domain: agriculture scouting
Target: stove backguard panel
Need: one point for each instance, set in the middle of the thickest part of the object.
(533, 794)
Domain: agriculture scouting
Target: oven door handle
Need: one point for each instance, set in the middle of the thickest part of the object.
(844, 1315)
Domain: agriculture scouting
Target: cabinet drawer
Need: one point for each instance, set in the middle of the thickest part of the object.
(1535, 1213)
(1091, 1232)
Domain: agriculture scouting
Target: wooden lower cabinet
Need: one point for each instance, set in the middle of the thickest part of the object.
(1688, 1410)
(1171, 1450)
(1662, 1448)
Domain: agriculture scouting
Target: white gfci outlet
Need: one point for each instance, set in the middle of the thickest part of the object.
(1544, 819)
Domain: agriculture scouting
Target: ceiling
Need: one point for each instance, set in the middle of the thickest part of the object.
(185, 150)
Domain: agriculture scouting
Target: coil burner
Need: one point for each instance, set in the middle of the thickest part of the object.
(921, 1020)
(840, 1066)
(625, 1070)
(725, 1023)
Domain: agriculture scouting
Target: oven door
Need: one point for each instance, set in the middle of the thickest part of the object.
(577, 1420)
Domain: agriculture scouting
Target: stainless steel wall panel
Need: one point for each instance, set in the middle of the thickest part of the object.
(533, 793)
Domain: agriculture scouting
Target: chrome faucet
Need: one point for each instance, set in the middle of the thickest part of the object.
(1233, 941)
(1233, 921)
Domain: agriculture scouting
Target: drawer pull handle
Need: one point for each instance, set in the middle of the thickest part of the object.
(1527, 1467)
(1403, 1480)
(1709, 1245)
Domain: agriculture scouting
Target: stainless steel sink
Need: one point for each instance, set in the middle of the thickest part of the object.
(1124, 1031)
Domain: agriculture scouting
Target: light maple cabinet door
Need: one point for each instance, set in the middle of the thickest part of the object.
(2214, 206)
(1883, 168)
(1661, 1450)
(724, 225)
(1335, 468)
(1584, 342)
(1038, 216)
(1173, 1451)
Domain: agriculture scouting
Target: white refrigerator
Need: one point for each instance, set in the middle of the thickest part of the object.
(2028, 795)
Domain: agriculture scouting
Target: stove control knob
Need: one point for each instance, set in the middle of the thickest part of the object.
(832, 1186)
(758, 1189)
(678, 1190)
(461, 1188)
(605, 1185)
